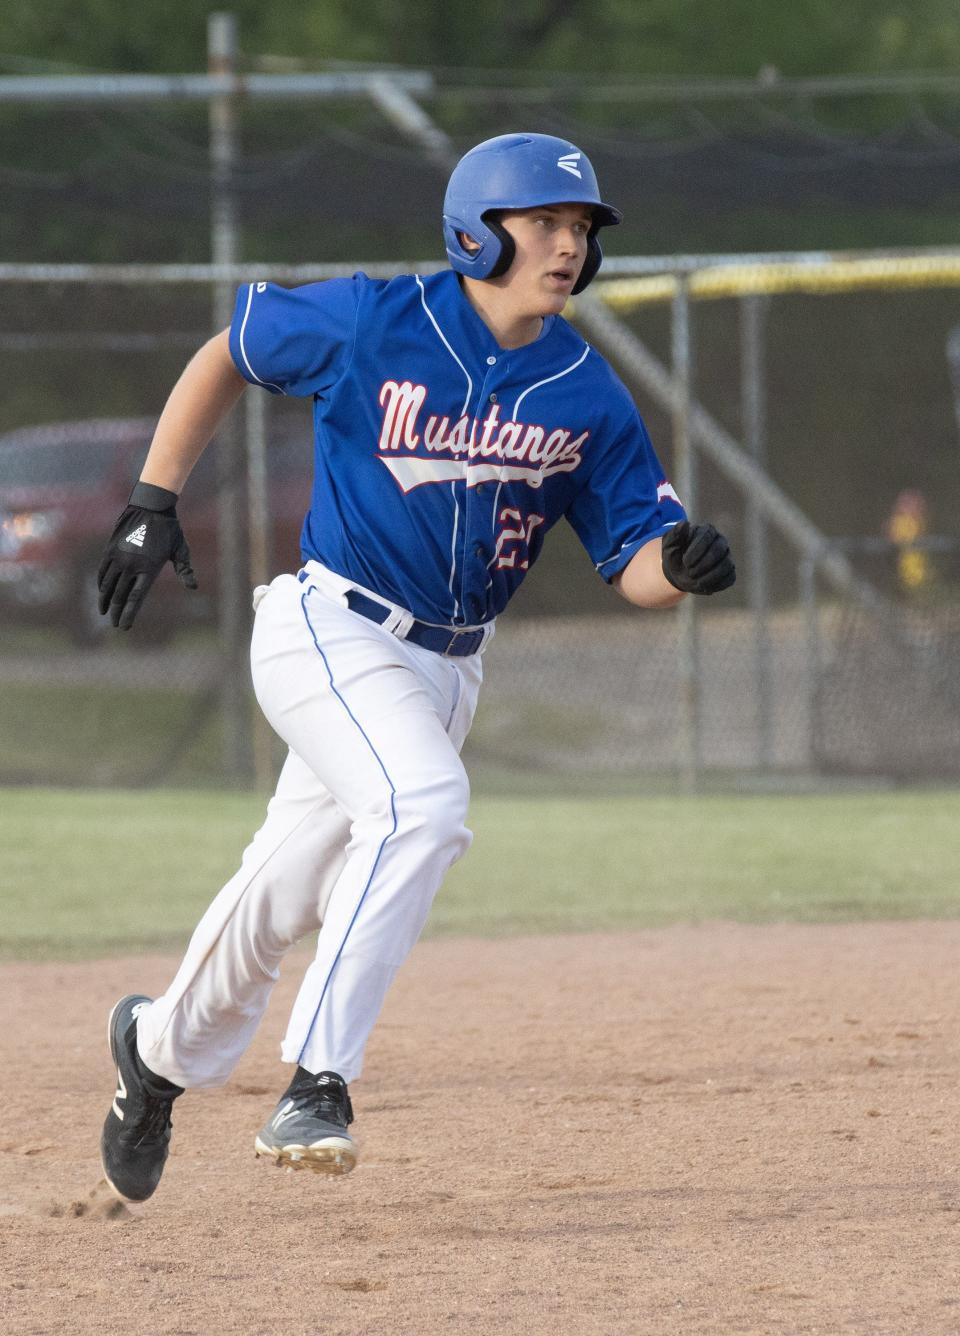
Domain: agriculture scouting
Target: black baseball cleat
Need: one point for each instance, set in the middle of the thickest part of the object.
(136, 1135)
(308, 1128)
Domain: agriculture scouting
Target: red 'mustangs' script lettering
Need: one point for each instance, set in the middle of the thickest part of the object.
(401, 404)
(523, 450)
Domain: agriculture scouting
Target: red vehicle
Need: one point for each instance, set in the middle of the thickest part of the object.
(62, 487)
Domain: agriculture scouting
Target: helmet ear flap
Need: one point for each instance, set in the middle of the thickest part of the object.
(508, 247)
(590, 265)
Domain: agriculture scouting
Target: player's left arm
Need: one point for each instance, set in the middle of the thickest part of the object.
(696, 559)
(688, 559)
(643, 583)
(630, 519)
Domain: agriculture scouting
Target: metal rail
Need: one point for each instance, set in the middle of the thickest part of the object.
(336, 83)
(80, 88)
(620, 267)
(768, 85)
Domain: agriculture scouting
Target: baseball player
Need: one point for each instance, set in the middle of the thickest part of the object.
(457, 417)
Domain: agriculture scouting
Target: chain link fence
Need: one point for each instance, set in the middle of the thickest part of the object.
(579, 688)
(885, 683)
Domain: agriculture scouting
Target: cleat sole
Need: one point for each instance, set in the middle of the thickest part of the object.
(333, 1156)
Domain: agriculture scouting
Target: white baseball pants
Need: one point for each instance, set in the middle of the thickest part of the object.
(368, 815)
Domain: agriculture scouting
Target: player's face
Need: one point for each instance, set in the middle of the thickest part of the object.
(551, 246)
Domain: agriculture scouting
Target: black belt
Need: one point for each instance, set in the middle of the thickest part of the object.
(452, 644)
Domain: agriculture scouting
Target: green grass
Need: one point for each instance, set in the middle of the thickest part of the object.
(83, 734)
(89, 873)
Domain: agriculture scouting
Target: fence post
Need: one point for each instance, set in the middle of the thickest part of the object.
(258, 528)
(222, 59)
(953, 362)
(807, 571)
(753, 397)
(685, 473)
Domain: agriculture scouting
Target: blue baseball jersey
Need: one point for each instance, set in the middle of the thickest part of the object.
(442, 459)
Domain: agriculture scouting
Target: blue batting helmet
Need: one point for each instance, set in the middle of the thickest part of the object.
(517, 172)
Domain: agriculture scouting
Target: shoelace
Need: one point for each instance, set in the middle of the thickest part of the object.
(153, 1120)
(331, 1101)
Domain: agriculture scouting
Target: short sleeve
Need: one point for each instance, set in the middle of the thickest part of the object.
(625, 502)
(296, 341)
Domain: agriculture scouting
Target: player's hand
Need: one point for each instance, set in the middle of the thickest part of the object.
(696, 559)
(146, 537)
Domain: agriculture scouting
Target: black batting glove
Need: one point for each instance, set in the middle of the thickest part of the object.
(146, 537)
(696, 559)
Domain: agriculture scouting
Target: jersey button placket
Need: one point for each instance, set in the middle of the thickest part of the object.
(477, 519)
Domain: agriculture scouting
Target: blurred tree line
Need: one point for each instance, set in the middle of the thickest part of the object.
(626, 37)
(769, 171)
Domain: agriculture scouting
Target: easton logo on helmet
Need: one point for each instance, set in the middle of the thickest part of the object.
(570, 163)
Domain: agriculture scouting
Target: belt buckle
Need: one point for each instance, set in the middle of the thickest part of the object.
(454, 637)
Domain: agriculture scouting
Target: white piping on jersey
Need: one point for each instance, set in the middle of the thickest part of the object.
(466, 404)
(573, 366)
(493, 521)
(446, 344)
(243, 349)
(453, 548)
(634, 542)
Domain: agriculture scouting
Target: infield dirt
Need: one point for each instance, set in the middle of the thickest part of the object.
(718, 1129)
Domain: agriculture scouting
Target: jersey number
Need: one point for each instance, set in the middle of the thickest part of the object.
(515, 537)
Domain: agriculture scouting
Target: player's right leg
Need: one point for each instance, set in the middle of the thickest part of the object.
(197, 1031)
(194, 1034)
(136, 1132)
